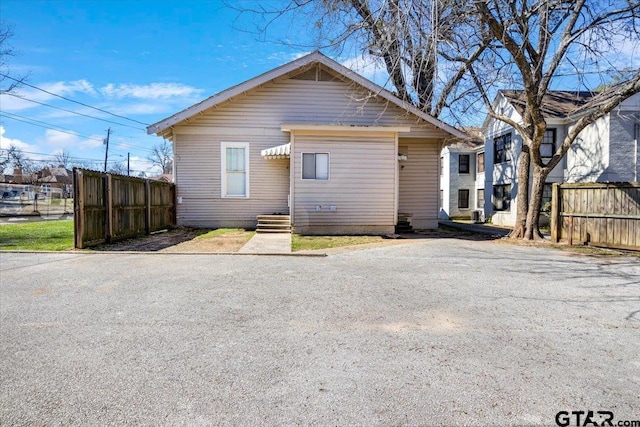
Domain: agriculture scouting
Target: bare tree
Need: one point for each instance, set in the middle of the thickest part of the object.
(539, 40)
(7, 82)
(448, 57)
(162, 155)
(63, 158)
(119, 167)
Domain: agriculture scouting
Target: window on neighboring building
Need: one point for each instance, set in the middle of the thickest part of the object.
(235, 169)
(441, 199)
(548, 145)
(463, 163)
(546, 197)
(501, 197)
(480, 167)
(315, 166)
(441, 166)
(502, 148)
(480, 198)
(463, 199)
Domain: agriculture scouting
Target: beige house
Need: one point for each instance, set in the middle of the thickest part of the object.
(311, 139)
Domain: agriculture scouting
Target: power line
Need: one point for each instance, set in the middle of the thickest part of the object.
(45, 125)
(71, 111)
(71, 100)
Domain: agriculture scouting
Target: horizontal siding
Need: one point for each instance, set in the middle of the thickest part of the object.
(419, 180)
(198, 180)
(304, 101)
(361, 181)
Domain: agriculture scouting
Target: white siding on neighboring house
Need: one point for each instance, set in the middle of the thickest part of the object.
(588, 157)
(358, 197)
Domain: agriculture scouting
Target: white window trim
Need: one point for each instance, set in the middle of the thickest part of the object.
(223, 168)
(328, 166)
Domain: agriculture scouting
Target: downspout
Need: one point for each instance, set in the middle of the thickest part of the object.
(636, 136)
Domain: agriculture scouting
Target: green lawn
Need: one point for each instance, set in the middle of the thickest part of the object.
(220, 231)
(305, 243)
(37, 236)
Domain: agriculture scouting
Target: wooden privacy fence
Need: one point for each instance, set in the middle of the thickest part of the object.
(113, 207)
(598, 214)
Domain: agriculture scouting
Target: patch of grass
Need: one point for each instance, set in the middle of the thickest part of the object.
(220, 231)
(306, 243)
(37, 236)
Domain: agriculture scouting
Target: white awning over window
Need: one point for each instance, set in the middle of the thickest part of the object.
(279, 152)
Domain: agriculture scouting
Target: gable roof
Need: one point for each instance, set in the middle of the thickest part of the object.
(555, 103)
(314, 57)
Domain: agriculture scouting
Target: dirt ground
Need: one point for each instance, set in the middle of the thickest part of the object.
(181, 240)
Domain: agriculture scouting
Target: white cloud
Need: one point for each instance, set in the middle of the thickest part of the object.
(14, 103)
(5, 142)
(60, 140)
(150, 91)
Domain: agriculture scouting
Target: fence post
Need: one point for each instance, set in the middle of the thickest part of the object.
(147, 206)
(555, 213)
(109, 208)
(78, 208)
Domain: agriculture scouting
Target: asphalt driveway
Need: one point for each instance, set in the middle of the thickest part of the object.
(440, 332)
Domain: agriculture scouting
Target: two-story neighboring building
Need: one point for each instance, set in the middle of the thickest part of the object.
(605, 151)
(462, 180)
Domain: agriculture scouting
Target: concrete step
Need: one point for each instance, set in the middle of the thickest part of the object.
(274, 224)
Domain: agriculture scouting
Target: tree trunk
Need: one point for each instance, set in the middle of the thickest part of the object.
(532, 231)
(524, 162)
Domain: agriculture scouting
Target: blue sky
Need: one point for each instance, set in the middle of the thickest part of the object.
(143, 60)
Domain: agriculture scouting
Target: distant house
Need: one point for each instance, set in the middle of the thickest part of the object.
(312, 139)
(165, 177)
(55, 180)
(605, 151)
(462, 178)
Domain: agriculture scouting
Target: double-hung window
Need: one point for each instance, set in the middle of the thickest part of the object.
(480, 166)
(315, 166)
(502, 148)
(463, 199)
(548, 145)
(235, 169)
(502, 197)
(463, 163)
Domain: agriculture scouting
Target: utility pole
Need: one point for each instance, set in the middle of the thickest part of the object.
(128, 169)
(106, 152)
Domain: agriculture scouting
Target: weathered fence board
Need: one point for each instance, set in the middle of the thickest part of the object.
(603, 214)
(113, 207)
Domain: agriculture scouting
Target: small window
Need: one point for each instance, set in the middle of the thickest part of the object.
(480, 198)
(315, 166)
(545, 206)
(441, 199)
(480, 167)
(463, 163)
(502, 148)
(441, 166)
(501, 197)
(235, 169)
(463, 199)
(548, 145)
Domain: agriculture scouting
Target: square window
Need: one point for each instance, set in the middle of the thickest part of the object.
(315, 166)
